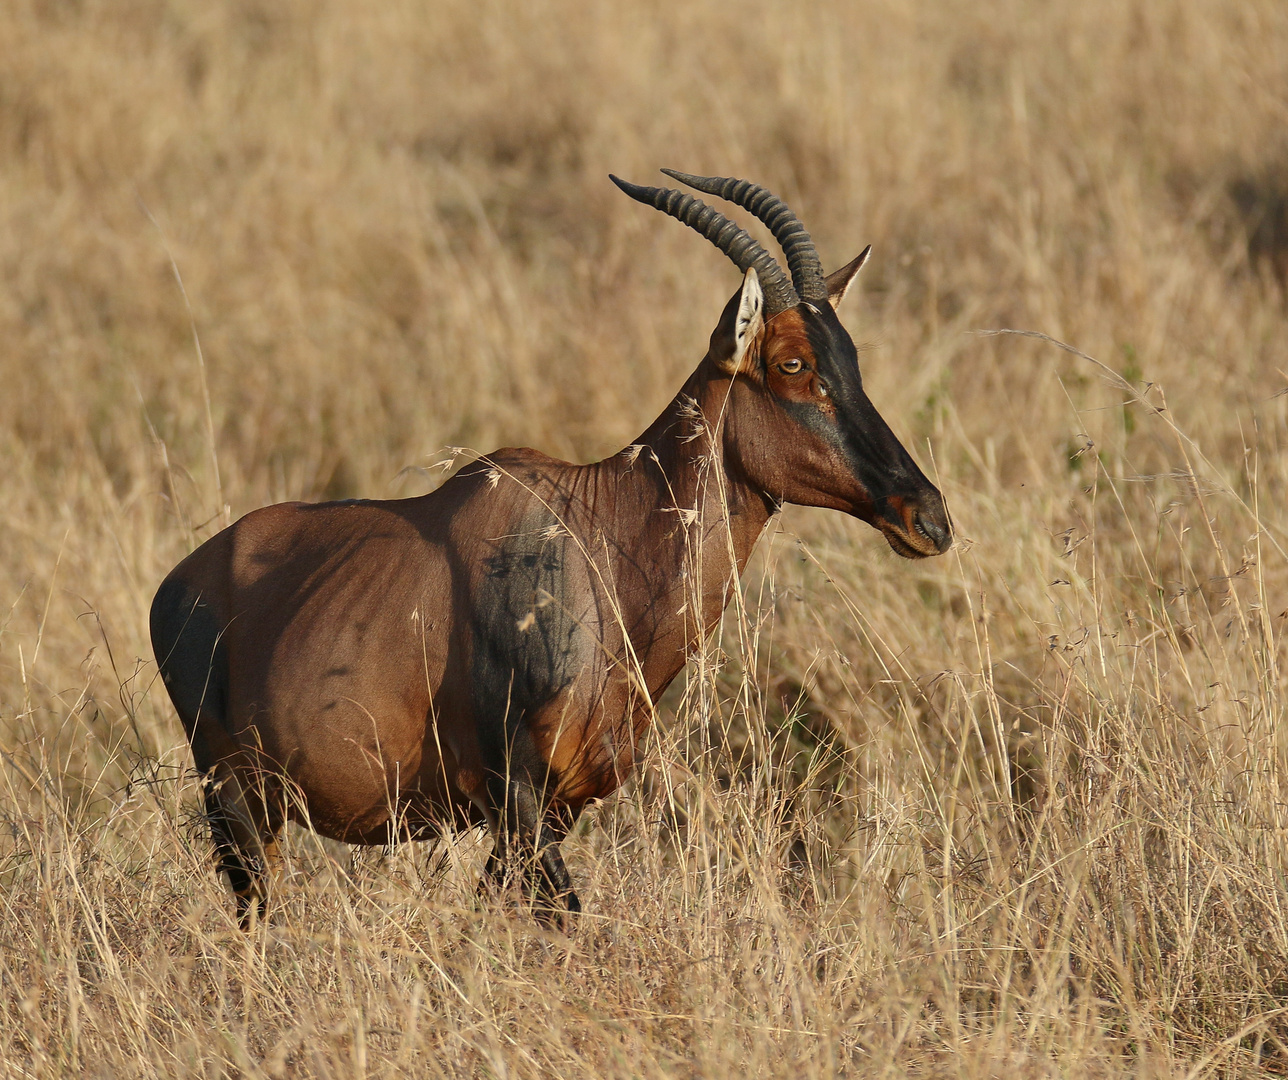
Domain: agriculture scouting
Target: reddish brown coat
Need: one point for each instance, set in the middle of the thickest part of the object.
(489, 652)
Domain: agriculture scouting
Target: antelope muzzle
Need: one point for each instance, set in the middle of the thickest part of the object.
(916, 526)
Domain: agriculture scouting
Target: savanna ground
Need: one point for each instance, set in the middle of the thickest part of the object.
(1019, 810)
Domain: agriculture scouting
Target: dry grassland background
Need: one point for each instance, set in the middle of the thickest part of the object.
(1019, 810)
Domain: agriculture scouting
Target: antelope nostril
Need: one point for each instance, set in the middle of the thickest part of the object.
(935, 529)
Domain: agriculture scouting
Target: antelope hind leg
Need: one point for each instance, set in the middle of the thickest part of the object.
(245, 842)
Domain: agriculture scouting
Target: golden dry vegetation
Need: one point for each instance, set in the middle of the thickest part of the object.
(1020, 810)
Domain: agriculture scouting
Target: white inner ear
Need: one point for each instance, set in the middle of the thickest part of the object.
(751, 312)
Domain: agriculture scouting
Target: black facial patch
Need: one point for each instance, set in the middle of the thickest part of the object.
(878, 460)
(836, 359)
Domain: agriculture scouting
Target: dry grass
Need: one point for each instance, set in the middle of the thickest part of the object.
(1016, 811)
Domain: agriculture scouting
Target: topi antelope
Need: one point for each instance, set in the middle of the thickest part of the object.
(489, 653)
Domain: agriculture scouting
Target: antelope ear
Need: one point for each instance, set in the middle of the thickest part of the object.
(839, 281)
(739, 324)
(749, 319)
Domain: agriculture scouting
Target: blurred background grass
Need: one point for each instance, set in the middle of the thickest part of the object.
(1017, 808)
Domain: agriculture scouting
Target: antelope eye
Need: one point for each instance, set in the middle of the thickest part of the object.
(791, 367)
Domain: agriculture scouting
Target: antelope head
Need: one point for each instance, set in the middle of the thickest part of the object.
(798, 425)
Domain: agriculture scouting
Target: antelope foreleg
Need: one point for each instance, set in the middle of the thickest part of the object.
(527, 842)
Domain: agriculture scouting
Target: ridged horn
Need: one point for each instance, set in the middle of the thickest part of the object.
(802, 260)
(733, 240)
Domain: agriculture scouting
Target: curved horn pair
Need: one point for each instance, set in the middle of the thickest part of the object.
(802, 260)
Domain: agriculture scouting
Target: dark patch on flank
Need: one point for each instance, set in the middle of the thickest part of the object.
(527, 642)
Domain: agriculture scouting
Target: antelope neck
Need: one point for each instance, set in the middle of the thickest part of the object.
(681, 511)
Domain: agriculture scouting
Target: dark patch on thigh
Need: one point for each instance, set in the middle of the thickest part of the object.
(187, 641)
